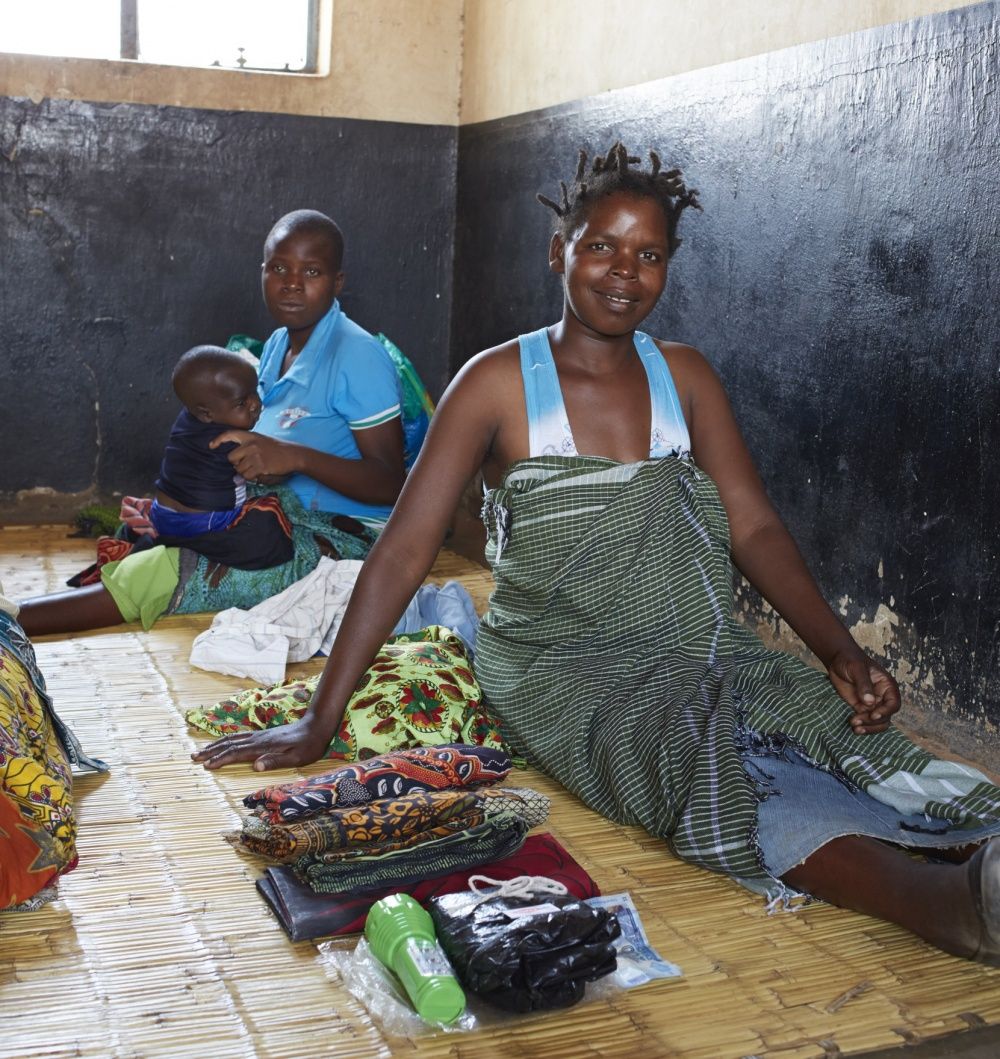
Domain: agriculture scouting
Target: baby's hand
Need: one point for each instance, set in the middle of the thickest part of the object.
(231, 437)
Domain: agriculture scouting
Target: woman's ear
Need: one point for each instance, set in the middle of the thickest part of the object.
(557, 251)
(338, 283)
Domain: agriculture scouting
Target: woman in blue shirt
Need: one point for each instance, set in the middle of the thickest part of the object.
(329, 437)
(330, 422)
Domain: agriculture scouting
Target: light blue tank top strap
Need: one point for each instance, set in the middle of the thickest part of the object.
(549, 432)
(548, 425)
(668, 435)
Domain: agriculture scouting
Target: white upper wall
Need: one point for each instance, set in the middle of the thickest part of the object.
(445, 62)
(521, 55)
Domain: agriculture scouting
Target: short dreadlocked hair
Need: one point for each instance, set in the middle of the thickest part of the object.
(613, 174)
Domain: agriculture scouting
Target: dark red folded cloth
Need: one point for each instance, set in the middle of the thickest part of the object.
(305, 914)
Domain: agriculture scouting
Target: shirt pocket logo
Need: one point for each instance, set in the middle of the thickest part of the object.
(288, 417)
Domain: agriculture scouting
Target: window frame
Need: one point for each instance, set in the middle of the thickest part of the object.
(129, 42)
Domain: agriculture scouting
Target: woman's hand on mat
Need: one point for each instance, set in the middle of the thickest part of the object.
(256, 455)
(289, 746)
(867, 688)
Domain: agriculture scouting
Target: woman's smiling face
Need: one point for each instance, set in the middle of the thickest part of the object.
(615, 264)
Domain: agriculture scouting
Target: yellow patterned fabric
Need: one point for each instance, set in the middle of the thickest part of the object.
(37, 823)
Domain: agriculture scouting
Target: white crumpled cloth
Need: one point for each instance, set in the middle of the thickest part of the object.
(289, 627)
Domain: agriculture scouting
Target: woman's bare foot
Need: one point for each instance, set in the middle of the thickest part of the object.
(984, 882)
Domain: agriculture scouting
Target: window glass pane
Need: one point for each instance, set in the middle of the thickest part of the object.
(261, 34)
(90, 29)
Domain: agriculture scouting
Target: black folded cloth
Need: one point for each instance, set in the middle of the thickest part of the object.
(525, 953)
(305, 914)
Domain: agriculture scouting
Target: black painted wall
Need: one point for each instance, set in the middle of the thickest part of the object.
(843, 279)
(129, 233)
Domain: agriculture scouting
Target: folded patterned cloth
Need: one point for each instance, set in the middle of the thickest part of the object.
(419, 691)
(460, 824)
(451, 766)
(497, 836)
(305, 914)
(375, 827)
(384, 824)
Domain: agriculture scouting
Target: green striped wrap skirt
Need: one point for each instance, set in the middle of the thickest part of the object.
(611, 654)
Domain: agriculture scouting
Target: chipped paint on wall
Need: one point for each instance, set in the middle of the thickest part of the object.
(929, 707)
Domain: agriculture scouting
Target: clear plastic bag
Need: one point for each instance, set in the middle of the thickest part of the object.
(350, 962)
(381, 993)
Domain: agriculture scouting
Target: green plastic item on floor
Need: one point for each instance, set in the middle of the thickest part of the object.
(401, 935)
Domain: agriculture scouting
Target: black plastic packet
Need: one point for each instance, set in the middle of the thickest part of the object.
(525, 953)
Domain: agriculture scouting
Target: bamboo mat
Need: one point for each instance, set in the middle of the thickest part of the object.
(159, 945)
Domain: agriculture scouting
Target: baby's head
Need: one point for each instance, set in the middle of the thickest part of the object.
(301, 274)
(218, 386)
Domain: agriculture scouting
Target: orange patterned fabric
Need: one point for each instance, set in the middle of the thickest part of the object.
(380, 826)
(449, 767)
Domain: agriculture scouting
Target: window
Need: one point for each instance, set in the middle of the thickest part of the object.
(232, 34)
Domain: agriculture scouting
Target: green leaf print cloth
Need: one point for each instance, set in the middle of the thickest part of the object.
(419, 691)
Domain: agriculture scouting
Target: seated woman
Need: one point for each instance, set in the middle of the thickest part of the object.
(329, 428)
(621, 493)
(37, 821)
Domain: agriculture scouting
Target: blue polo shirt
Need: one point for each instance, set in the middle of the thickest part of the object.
(342, 381)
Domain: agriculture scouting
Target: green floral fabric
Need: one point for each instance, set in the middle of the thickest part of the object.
(419, 691)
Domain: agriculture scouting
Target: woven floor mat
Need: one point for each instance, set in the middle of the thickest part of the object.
(159, 945)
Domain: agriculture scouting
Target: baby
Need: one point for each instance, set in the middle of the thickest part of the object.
(197, 490)
(200, 502)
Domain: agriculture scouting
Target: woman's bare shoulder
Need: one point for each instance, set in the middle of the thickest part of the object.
(681, 354)
(690, 369)
(494, 363)
(489, 391)
(488, 378)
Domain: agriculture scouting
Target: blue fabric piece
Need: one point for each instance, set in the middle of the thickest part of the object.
(549, 432)
(342, 381)
(170, 523)
(805, 807)
(451, 606)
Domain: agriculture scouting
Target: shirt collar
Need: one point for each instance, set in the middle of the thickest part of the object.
(315, 350)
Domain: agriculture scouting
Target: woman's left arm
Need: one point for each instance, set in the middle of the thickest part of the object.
(765, 552)
(375, 478)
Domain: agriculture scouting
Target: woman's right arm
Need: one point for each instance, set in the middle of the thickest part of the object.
(461, 433)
